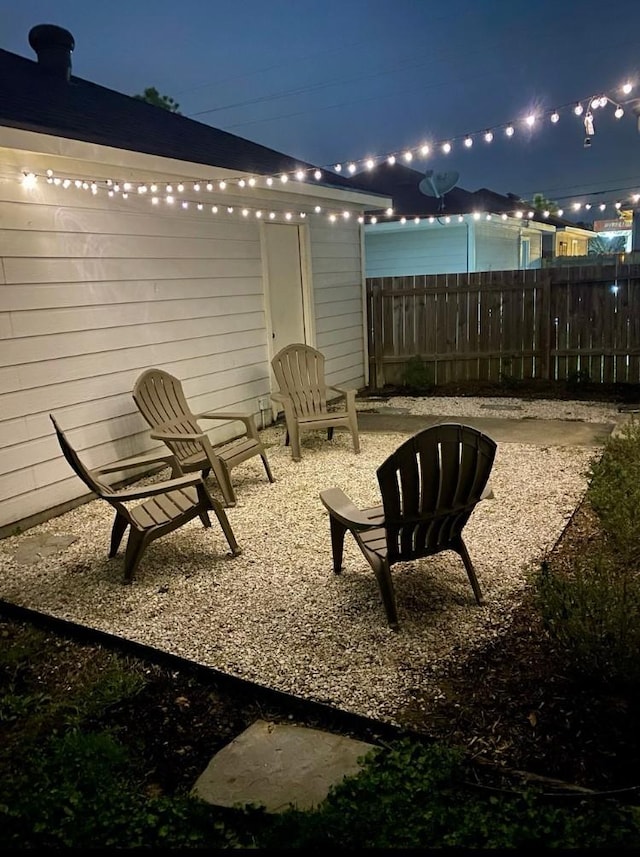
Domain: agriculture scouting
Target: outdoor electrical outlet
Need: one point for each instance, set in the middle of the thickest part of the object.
(263, 403)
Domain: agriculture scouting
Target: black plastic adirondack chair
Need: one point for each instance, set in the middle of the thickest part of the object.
(429, 487)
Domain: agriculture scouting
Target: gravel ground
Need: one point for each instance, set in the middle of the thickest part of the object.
(277, 615)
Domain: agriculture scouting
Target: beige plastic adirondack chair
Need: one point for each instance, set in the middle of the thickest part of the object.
(303, 393)
(165, 506)
(161, 401)
(429, 486)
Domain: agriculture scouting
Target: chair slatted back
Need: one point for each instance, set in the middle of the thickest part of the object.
(299, 371)
(92, 482)
(430, 486)
(160, 399)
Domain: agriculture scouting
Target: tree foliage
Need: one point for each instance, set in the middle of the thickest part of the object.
(152, 96)
(541, 203)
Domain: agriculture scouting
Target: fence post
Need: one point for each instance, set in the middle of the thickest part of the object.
(545, 327)
(376, 366)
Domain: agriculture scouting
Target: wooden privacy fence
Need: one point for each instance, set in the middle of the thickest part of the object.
(558, 324)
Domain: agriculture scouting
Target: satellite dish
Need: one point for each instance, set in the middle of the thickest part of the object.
(437, 184)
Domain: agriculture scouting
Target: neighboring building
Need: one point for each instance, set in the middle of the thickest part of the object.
(98, 283)
(462, 231)
(614, 235)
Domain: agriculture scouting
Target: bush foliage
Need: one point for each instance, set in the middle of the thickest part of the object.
(592, 610)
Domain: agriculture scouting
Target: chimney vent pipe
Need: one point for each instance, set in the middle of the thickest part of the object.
(53, 46)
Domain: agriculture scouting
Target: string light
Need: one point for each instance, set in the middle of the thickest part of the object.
(116, 189)
(300, 173)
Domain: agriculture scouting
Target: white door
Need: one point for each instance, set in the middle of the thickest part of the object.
(289, 317)
(287, 301)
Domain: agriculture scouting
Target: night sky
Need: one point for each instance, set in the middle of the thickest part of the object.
(343, 80)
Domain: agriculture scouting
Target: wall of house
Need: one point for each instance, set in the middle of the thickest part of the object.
(498, 246)
(425, 248)
(336, 259)
(442, 249)
(568, 244)
(95, 290)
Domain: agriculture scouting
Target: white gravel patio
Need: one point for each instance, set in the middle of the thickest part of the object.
(277, 615)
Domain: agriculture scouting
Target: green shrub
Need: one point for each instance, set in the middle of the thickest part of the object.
(578, 378)
(417, 796)
(592, 610)
(78, 792)
(417, 377)
(614, 493)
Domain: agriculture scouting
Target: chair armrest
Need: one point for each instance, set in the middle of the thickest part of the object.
(280, 397)
(152, 490)
(134, 461)
(176, 436)
(341, 508)
(348, 394)
(245, 418)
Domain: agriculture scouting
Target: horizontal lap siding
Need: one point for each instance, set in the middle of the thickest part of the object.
(337, 278)
(496, 248)
(425, 249)
(94, 291)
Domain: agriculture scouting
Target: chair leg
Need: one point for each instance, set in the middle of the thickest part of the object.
(338, 531)
(120, 524)
(226, 528)
(135, 548)
(353, 426)
(385, 583)
(204, 517)
(267, 467)
(223, 477)
(330, 433)
(294, 437)
(461, 548)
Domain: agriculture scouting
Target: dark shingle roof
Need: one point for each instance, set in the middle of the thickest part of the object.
(35, 99)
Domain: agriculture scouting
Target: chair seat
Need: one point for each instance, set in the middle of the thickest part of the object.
(160, 510)
(231, 454)
(324, 419)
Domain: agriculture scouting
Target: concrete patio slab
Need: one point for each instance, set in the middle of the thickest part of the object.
(533, 431)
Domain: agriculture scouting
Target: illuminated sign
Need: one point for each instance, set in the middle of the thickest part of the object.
(611, 226)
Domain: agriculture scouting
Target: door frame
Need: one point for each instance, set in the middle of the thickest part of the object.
(308, 314)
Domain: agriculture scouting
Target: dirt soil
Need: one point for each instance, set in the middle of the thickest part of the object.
(512, 707)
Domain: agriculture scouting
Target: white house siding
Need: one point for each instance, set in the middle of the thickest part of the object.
(498, 246)
(338, 292)
(425, 248)
(94, 290)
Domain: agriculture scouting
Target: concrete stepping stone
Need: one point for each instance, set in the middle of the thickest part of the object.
(278, 766)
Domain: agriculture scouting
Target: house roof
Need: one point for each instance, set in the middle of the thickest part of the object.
(401, 183)
(42, 96)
